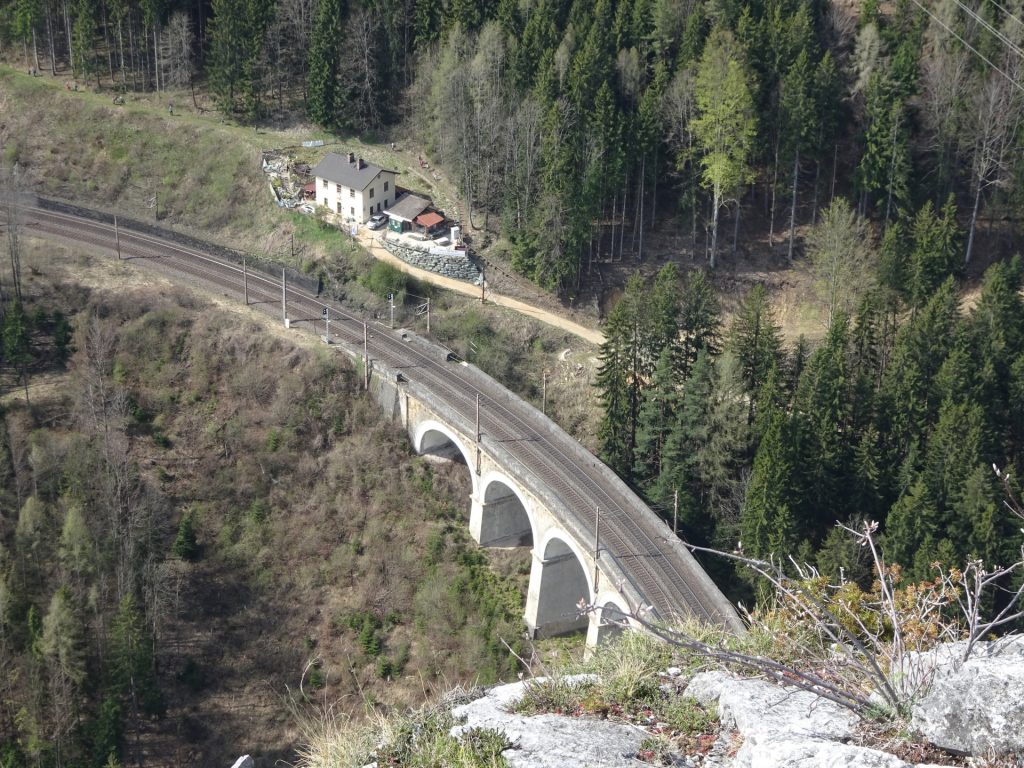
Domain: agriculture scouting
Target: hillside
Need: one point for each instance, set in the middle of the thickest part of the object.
(203, 521)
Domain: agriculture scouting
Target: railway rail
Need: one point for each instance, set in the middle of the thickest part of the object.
(643, 546)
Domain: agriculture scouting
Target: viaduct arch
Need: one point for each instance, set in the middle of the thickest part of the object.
(503, 513)
(591, 539)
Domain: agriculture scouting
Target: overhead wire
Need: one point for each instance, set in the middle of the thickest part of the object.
(1006, 13)
(1013, 47)
(1013, 81)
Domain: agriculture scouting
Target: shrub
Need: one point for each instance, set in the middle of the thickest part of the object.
(554, 693)
(687, 716)
(369, 642)
(383, 278)
(316, 678)
(186, 545)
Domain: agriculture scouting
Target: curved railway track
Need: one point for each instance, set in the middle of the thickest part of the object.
(664, 573)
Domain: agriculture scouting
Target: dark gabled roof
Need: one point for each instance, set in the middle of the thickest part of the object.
(337, 168)
(408, 207)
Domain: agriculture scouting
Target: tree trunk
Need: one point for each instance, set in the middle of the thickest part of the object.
(792, 207)
(49, 39)
(131, 53)
(106, 41)
(835, 166)
(814, 205)
(714, 229)
(974, 221)
(775, 183)
(35, 48)
(120, 51)
(611, 248)
(640, 205)
(654, 190)
(636, 214)
(892, 171)
(693, 220)
(622, 229)
(67, 30)
(156, 59)
(736, 229)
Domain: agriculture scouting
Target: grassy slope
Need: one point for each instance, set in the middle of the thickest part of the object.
(312, 515)
(210, 183)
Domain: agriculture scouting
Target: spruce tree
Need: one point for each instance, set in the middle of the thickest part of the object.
(722, 457)
(766, 524)
(755, 339)
(700, 319)
(687, 434)
(935, 255)
(324, 64)
(132, 670)
(656, 418)
(627, 360)
(822, 459)
(907, 524)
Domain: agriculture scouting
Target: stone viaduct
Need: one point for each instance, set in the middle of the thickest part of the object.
(512, 505)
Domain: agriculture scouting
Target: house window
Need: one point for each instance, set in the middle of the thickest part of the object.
(339, 207)
(325, 183)
(337, 188)
(352, 211)
(385, 199)
(385, 186)
(352, 192)
(371, 193)
(325, 203)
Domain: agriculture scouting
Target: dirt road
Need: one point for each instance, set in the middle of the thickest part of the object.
(370, 241)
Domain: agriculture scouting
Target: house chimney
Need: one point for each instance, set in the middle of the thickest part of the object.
(361, 164)
(351, 157)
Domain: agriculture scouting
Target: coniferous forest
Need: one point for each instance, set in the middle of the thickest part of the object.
(579, 126)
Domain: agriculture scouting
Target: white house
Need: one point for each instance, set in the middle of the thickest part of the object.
(352, 187)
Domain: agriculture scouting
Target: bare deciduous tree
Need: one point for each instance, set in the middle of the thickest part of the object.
(840, 255)
(361, 68)
(998, 111)
(177, 39)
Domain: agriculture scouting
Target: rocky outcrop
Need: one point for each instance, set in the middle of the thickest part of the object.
(551, 741)
(458, 266)
(976, 706)
(761, 711)
(783, 727)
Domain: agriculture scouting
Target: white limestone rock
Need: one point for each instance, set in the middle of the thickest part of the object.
(977, 706)
(706, 687)
(763, 712)
(245, 761)
(814, 753)
(551, 741)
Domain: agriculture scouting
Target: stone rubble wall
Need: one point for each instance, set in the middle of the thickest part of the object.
(456, 266)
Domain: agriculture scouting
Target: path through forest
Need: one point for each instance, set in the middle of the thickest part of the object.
(370, 241)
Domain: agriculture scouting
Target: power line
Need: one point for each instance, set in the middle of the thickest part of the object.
(992, 30)
(970, 47)
(1006, 13)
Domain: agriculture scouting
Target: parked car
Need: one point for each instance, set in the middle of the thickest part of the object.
(377, 221)
(307, 208)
